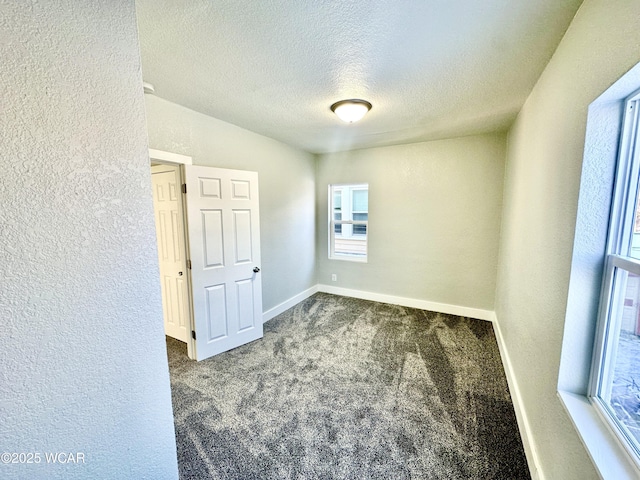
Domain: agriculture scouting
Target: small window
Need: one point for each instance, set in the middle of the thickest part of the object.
(615, 374)
(348, 221)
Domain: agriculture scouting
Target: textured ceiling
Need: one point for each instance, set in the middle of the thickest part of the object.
(431, 68)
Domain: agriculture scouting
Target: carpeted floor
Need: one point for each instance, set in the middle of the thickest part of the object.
(341, 388)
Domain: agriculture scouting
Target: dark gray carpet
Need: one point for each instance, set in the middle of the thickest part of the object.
(350, 389)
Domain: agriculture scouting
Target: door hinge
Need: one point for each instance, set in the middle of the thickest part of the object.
(193, 334)
(189, 264)
(184, 188)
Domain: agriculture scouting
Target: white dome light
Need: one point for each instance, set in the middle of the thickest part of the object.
(351, 111)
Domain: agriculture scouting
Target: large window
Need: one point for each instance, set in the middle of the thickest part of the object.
(348, 221)
(615, 376)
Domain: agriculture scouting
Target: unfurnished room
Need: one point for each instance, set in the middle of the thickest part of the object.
(320, 239)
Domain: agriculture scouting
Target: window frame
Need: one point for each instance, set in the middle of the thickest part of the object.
(600, 156)
(617, 259)
(333, 223)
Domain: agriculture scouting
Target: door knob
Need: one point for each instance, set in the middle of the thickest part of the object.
(256, 269)
(180, 273)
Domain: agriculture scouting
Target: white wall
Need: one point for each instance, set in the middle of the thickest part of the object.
(543, 173)
(82, 353)
(286, 181)
(434, 219)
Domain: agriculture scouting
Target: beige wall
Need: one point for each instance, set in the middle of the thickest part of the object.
(543, 172)
(286, 182)
(434, 219)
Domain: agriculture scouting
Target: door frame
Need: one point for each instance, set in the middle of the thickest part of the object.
(176, 159)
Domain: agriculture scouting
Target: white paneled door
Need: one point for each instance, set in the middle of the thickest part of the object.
(167, 204)
(224, 246)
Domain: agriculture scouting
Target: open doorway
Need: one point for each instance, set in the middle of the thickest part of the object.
(208, 233)
(169, 215)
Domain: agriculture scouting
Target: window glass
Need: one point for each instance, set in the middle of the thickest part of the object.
(635, 239)
(360, 200)
(622, 391)
(359, 229)
(337, 200)
(337, 210)
(618, 383)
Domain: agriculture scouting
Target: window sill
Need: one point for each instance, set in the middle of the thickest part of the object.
(610, 458)
(348, 258)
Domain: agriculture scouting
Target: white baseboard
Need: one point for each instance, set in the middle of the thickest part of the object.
(410, 302)
(518, 406)
(287, 304)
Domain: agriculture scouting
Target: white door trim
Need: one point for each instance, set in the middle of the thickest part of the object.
(168, 157)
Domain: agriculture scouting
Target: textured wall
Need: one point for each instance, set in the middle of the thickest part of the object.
(83, 365)
(287, 186)
(541, 193)
(434, 219)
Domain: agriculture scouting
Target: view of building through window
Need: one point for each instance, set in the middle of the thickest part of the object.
(625, 385)
(349, 220)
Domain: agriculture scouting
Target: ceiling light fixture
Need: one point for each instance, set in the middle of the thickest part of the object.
(351, 111)
(148, 88)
